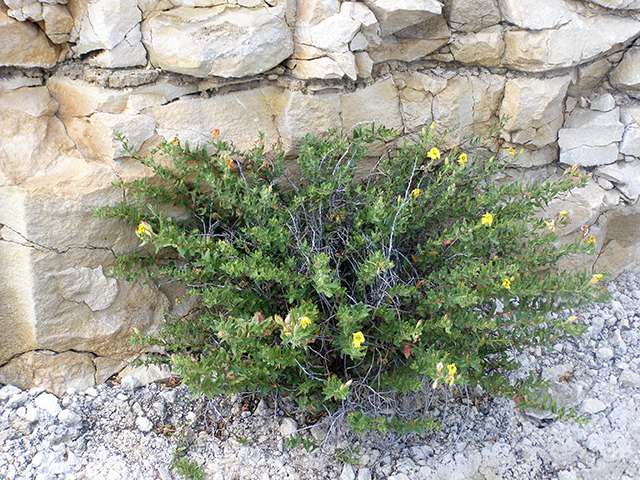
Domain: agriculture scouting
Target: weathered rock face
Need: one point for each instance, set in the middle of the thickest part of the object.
(565, 72)
(222, 41)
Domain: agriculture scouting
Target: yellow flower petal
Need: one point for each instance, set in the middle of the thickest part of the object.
(487, 219)
(358, 338)
(434, 154)
(462, 159)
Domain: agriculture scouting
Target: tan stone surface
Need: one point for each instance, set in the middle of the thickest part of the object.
(482, 48)
(536, 109)
(302, 114)
(467, 107)
(238, 115)
(626, 74)
(58, 22)
(396, 15)
(580, 40)
(220, 41)
(377, 103)
(55, 372)
(24, 45)
(472, 15)
(413, 43)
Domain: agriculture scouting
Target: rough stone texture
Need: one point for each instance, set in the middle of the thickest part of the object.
(589, 137)
(24, 45)
(467, 106)
(481, 48)
(580, 40)
(222, 41)
(627, 74)
(472, 15)
(396, 15)
(535, 14)
(239, 116)
(535, 108)
(55, 372)
(106, 24)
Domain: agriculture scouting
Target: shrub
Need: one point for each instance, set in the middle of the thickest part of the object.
(424, 275)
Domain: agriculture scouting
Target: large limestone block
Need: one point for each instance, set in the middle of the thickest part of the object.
(95, 136)
(17, 333)
(54, 372)
(396, 15)
(69, 301)
(78, 98)
(626, 75)
(34, 101)
(589, 138)
(468, 106)
(303, 114)
(472, 15)
(238, 115)
(536, 109)
(591, 128)
(221, 41)
(483, 48)
(535, 14)
(377, 103)
(413, 43)
(31, 139)
(106, 23)
(626, 177)
(24, 45)
(416, 96)
(579, 41)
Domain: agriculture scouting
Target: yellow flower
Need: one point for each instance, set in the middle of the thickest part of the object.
(512, 151)
(304, 322)
(434, 154)
(487, 219)
(506, 283)
(591, 240)
(432, 127)
(451, 371)
(144, 229)
(564, 212)
(550, 225)
(358, 338)
(462, 159)
(594, 279)
(416, 192)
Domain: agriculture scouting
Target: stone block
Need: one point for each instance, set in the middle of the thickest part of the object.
(25, 45)
(55, 372)
(396, 15)
(472, 15)
(579, 41)
(224, 41)
(483, 48)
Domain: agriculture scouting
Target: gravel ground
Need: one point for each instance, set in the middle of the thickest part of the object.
(124, 431)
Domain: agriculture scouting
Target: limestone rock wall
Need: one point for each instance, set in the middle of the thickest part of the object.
(72, 71)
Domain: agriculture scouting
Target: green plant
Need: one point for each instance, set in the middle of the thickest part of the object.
(327, 289)
(297, 440)
(187, 468)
